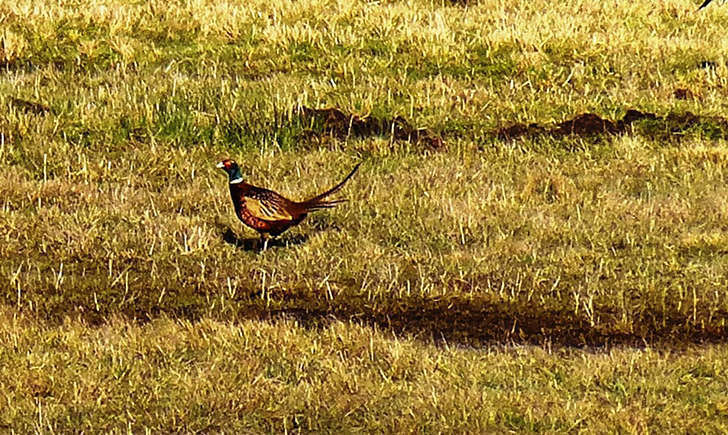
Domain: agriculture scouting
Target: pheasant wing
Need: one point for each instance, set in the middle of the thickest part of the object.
(267, 205)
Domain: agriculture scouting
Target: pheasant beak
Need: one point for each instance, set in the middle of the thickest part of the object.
(221, 165)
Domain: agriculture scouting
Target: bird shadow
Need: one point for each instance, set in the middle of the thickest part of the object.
(255, 245)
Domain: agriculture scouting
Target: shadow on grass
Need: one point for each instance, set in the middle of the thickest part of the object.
(478, 322)
(255, 245)
(458, 319)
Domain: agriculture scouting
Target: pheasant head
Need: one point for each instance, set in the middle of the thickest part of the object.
(232, 169)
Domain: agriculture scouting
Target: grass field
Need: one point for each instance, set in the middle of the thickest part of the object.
(568, 279)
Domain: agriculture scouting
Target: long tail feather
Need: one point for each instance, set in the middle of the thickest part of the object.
(324, 204)
(317, 202)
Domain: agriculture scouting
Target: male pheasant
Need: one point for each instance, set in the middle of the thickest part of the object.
(268, 212)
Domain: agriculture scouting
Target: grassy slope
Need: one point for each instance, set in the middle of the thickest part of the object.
(112, 209)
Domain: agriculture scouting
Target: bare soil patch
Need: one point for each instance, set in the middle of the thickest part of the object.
(30, 106)
(337, 123)
(590, 125)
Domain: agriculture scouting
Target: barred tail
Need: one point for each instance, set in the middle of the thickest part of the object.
(318, 202)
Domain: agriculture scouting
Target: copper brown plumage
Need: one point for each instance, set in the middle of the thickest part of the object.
(268, 212)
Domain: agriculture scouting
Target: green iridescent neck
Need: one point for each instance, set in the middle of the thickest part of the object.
(235, 176)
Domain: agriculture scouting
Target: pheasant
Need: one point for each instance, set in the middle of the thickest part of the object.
(268, 212)
(705, 4)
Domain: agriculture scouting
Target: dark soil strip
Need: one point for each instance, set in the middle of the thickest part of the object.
(592, 125)
(342, 125)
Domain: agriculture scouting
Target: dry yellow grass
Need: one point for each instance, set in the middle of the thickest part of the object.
(258, 376)
(538, 284)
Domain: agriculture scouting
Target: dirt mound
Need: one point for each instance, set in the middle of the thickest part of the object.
(30, 106)
(341, 125)
(683, 94)
(591, 125)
